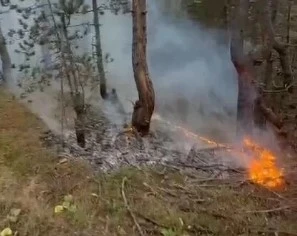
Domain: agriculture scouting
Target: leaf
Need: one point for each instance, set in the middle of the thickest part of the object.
(72, 208)
(12, 219)
(13, 215)
(58, 209)
(94, 195)
(66, 205)
(68, 198)
(168, 232)
(6, 232)
(15, 211)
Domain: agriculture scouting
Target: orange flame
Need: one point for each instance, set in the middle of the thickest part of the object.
(263, 169)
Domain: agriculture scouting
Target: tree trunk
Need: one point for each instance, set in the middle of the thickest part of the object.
(80, 111)
(99, 61)
(80, 131)
(281, 49)
(144, 106)
(5, 58)
(290, 4)
(244, 101)
(74, 85)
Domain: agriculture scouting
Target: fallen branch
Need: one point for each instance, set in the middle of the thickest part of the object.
(128, 207)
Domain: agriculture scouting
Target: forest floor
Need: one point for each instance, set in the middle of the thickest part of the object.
(43, 194)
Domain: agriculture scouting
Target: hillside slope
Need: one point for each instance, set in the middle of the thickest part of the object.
(34, 182)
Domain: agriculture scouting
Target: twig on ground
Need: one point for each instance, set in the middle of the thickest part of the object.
(209, 149)
(151, 220)
(270, 232)
(204, 167)
(277, 194)
(107, 225)
(270, 210)
(193, 229)
(131, 164)
(170, 193)
(150, 188)
(204, 180)
(128, 207)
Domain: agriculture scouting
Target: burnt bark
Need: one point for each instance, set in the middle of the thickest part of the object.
(98, 47)
(80, 111)
(144, 106)
(5, 58)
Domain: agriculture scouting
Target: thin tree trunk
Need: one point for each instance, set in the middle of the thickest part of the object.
(76, 95)
(268, 52)
(99, 61)
(268, 70)
(280, 48)
(290, 3)
(5, 58)
(77, 98)
(144, 106)
(226, 10)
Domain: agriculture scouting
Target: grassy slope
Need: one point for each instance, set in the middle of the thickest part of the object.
(33, 180)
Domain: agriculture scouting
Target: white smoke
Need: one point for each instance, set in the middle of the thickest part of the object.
(189, 65)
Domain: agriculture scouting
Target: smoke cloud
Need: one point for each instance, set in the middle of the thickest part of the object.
(190, 66)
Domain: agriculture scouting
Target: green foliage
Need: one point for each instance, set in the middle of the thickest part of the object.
(6, 232)
(67, 205)
(13, 215)
(119, 6)
(168, 232)
(37, 28)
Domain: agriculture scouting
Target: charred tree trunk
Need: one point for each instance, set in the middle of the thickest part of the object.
(5, 58)
(80, 111)
(144, 106)
(99, 61)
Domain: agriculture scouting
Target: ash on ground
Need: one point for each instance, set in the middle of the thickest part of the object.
(109, 147)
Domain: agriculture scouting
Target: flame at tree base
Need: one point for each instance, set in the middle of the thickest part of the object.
(263, 169)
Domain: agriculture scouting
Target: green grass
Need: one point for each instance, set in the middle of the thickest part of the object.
(163, 201)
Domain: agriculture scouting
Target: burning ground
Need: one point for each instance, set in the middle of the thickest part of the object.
(110, 147)
(167, 199)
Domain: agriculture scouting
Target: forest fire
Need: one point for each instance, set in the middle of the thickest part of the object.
(262, 170)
